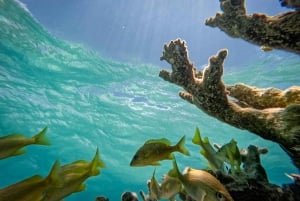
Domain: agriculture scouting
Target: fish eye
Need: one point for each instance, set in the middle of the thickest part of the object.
(219, 196)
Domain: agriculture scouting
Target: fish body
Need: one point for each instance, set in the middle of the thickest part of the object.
(169, 187)
(230, 153)
(156, 150)
(154, 188)
(13, 144)
(82, 165)
(73, 176)
(201, 185)
(33, 188)
(208, 151)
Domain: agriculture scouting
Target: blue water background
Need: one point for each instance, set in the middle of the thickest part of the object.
(89, 101)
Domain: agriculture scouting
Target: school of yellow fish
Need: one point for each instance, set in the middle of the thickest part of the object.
(63, 180)
(198, 184)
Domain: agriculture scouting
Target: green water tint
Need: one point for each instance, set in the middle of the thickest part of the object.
(88, 102)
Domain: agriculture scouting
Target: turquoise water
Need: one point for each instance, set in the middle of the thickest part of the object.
(88, 101)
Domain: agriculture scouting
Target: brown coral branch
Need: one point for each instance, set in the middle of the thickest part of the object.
(208, 92)
(264, 98)
(280, 31)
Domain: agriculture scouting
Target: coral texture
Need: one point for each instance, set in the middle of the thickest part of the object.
(281, 31)
(206, 90)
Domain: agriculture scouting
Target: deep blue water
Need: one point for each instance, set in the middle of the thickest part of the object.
(88, 101)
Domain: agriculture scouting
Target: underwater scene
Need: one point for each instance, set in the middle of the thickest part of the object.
(95, 102)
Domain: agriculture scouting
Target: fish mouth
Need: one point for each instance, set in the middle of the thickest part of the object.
(132, 164)
(135, 164)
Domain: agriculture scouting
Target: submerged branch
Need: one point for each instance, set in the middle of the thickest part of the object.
(206, 90)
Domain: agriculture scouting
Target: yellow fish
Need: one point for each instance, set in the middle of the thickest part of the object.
(201, 185)
(230, 153)
(156, 150)
(33, 188)
(82, 165)
(12, 145)
(154, 188)
(170, 187)
(208, 151)
(73, 176)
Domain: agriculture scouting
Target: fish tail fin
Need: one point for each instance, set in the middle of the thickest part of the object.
(174, 172)
(181, 146)
(97, 159)
(54, 178)
(96, 163)
(197, 137)
(41, 138)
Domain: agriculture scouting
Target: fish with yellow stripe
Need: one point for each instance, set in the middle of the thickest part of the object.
(13, 144)
(200, 185)
(156, 150)
(32, 188)
(215, 162)
(73, 176)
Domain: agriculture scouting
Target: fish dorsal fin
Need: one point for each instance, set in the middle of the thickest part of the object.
(197, 137)
(162, 140)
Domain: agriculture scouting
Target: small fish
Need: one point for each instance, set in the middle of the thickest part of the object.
(13, 144)
(154, 188)
(170, 187)
(266, 48)
(73, 176)
(230, 153)
(82, 165)
(33, 188)
(208, 151)
(201, 185)
(156, 150)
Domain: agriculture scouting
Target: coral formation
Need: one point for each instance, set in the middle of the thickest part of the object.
(280, 31)
(251, 181)
(207, 91)
(270, 113)
(290, 3)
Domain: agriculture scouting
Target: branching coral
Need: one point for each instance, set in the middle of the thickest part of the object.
(280, 31)
(206, 90)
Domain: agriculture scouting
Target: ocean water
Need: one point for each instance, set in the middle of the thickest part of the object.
(89, 101)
